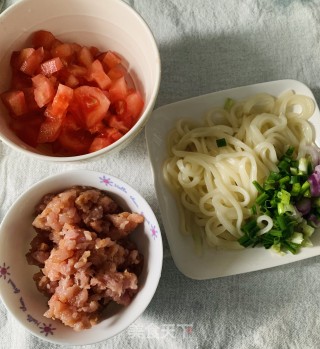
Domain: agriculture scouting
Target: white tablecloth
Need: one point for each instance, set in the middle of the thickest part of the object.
(205, 46)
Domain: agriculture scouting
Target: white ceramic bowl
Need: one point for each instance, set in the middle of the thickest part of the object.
(17, 288)
(106, 24)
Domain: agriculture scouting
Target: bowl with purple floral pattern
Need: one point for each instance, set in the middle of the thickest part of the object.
(81, 264)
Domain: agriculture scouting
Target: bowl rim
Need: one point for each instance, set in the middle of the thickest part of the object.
(133, 132)
(156, 273)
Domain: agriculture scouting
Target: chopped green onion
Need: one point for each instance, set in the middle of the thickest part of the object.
(284, 196)
(262, 198)
(275, 233)
(254, 209)
(306, 242)
(284, 180)
(307, 230)
(221, 142)
(258, 187)
(278, 198)
(284, 165)
(316, 202)
(228, 104)
(251, 227)
(284, 208)
(297, 238)
(305, 186)
(296, 189)
(290, 151)
(303, 166)
(277, 248)
(245, 241)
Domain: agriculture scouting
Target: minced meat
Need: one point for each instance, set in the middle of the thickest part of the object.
(85, 256)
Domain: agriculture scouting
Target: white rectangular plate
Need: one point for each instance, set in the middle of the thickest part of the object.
(213, 263)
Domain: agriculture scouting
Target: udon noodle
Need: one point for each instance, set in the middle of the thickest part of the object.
(213, 184)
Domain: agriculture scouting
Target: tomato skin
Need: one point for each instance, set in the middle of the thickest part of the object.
(43, 38)
(90, 104)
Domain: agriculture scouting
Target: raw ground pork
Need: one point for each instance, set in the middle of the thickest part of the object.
(85, 255)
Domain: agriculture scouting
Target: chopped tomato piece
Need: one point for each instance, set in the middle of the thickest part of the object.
(97, 74)
(90, 104)
(118, 90)
(55, 43)
(120, 124)
(74, 142)
(94, 51)
(98, 143)
(43, 38)
(76, 47)
(54, 81)
(117, 72)
(111, 59)
(18, 57)
(71, 122)
(64, 51)
(134, 104)
(85, 57)
(43, 90)
(14, 60)
(112, 133)
(72, 81)
(29, 96)
(27, 128)
(20, 80)
(51, 66)
(120, 107)
(32, 63)
(49, 130)
(97, 128)
(109, 136)
(77, 70)
(15, 101)
(58, 108)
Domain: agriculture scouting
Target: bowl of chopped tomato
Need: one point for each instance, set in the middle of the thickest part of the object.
(78, 78)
